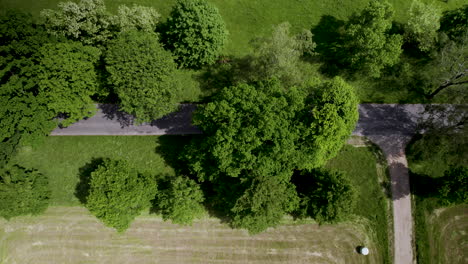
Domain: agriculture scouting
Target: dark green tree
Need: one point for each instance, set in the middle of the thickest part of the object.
(67, 78)
(180, 201)
(266, 199)
(143, 75)
(454, 185)
(327, 121)
(326, 195)
(367, 45)
(22, 191)
(118, 193)
(195, 32)
(454, 23)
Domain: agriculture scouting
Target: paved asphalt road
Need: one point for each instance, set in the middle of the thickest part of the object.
(390, 126)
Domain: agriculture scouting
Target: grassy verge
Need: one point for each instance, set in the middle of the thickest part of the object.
(61, 158)
(441, 231)
(360, 164)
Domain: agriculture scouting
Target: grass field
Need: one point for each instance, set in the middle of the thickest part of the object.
(360, 164)
(69, 234)
(441, 232)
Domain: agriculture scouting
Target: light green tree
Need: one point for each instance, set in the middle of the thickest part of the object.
(195, 33)
(136, 17)
(181, 201)
(367, 45)
(22, 191)
(423, 24)
(328, 119)
(118, 193)
(143, 75)
(86, 21)
(279, 55)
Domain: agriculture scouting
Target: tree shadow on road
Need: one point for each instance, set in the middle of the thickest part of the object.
(83, 186)
(113, 111)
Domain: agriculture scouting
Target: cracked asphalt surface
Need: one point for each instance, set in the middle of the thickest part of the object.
(390, 126)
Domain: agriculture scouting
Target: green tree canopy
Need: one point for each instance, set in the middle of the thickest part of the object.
(195, 32)
(266, 199)
(118, 193)
(454, 187)
(329, 117)
(367, 45)
(279, 55)
(423, 24)
(22, 191)
(255, 135)
(455, 22)
(326, 195)
(143, 75)
(136, 18)
(67, 79)
(86, 21)
(180, 201)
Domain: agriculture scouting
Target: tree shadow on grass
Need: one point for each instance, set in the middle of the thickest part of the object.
(424, 186)
(170, 148)
(328, 37)
(83, 186)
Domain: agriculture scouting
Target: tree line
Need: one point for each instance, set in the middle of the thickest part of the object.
(270, 125)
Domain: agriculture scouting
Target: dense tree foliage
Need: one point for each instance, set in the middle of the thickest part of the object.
(24, 117)
(180, 200)
(329, 118)
(367, 44)
(143, 75)
(87, 21)
(22, 191)
(454, 187)
(449, 68)
(256, 135)
(423, 24)
(195, 32)
(247, 126)
(264, 202)
(328, 196)
(279, 55)
(118, 193)
(454, 23)
(67, 78)
(136, 18)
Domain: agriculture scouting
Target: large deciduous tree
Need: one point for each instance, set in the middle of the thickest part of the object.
(422, 25)
(180, 200)
(454, 185)
(118, 193)
(328, 196)
(454, 23)
(195, 32)
(329, 118)
(367, 44)
(142, 74)
(66, 77)
(87, 21)
(255, 135)
(22, 191)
